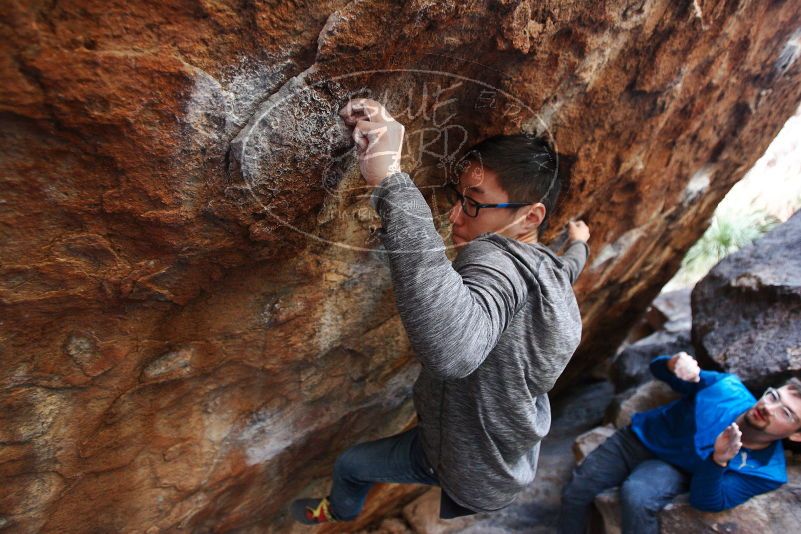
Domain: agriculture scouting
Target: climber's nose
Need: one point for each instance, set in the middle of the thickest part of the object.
(455, 214)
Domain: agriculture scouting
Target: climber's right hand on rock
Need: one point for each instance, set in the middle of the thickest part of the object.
(378, 137)
(685, 367)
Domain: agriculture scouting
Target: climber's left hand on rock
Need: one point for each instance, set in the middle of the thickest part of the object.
(578, 231)
(378, 137)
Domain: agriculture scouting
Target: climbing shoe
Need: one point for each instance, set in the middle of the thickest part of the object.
(312, 511)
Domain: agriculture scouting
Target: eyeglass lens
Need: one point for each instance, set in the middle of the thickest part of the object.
(773, 396)
(453, 196)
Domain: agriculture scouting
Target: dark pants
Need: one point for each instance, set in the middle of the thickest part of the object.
(647, 485)
(399, 459)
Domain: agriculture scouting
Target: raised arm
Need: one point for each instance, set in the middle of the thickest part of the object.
(576, 256)
(578, 250)
(453, 319)
(665, 368)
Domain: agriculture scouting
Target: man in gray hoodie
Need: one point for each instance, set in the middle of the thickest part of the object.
(493, 330)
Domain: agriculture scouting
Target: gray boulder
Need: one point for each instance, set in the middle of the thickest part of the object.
(747, 310)
(671, 311)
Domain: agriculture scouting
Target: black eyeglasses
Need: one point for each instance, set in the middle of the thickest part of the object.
(470, 206)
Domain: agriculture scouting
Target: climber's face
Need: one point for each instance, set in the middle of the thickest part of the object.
(480, 185)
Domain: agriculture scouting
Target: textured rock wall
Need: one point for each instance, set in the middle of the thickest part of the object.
(194, 319)
(747, 309)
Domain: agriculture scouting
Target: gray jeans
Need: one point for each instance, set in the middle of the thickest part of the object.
(399, 458)
(647, 485)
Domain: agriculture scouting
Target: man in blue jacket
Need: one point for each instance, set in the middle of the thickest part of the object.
(717, 441)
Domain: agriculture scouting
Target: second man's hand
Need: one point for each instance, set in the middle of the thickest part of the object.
(727, 445)
(684, 367)
(378, 137)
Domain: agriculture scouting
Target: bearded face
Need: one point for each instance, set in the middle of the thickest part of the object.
(777, 413)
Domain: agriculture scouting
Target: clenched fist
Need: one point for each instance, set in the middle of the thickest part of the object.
(378, 137)
(578, 231)
(685, 367)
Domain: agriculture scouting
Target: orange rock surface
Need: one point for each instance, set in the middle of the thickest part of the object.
(194, 320)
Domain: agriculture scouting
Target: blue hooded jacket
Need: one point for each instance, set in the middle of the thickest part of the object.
(683, 433)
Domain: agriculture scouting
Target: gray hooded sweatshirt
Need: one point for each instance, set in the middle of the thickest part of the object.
(493, 330)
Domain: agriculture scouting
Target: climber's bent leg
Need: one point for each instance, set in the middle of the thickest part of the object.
(398, 459)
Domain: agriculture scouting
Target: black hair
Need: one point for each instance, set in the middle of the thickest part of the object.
(526, 166)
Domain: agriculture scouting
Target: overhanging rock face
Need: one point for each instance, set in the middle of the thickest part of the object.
(195, 320)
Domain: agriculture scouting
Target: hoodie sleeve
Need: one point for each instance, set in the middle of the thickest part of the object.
(576, 256)
(453, 318)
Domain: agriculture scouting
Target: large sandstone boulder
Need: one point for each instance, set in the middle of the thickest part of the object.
(747, 310)
(195, 321)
